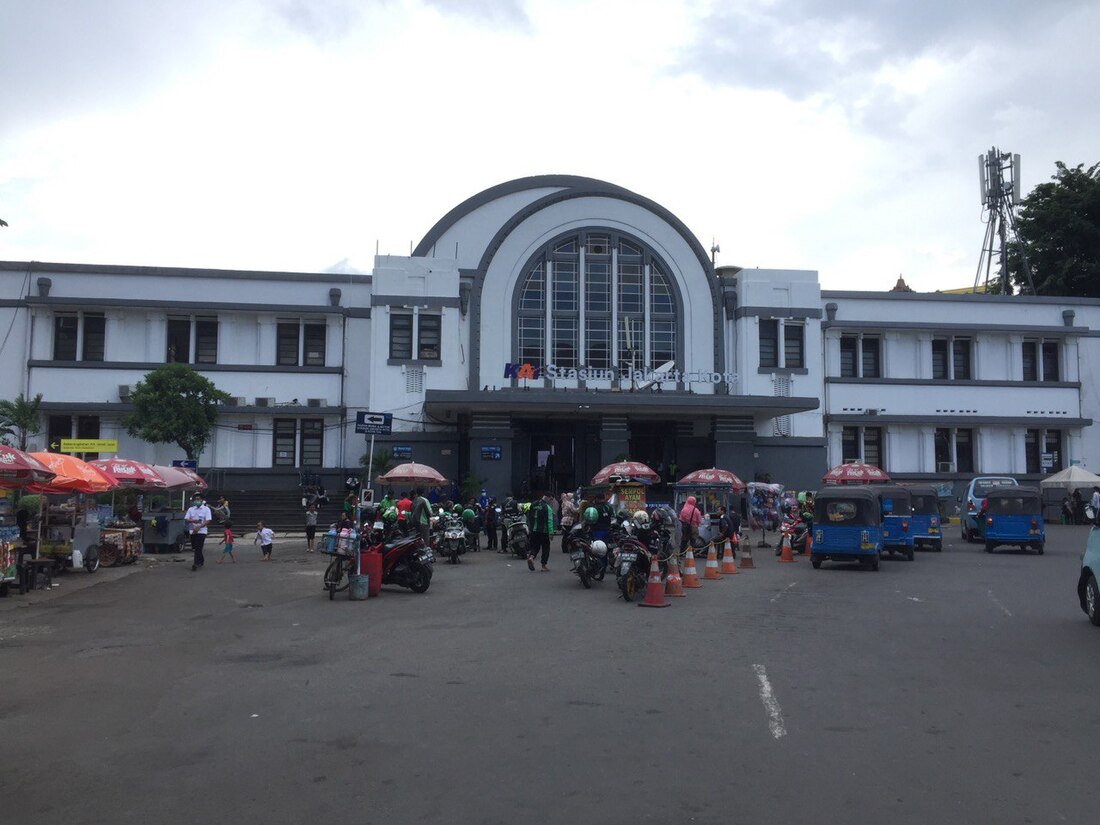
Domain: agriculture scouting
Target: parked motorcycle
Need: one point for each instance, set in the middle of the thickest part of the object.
(588, 557)
(519, 535)
(406, 561)
(452, 539)
(632, 558)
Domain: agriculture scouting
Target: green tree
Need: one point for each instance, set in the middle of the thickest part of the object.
(383, 461)
(1059, 229)
(19, 419)
(175, 405)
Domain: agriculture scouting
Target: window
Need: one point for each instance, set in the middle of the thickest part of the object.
(401, 336)
(1052, 451)
(78, 332)
(286, 343)
(599, 300)
(87, 426)
(849, 355)
(312, 443)
(206, 340)
(793, 346)
(1032, 457)
(951, 359)
(282, 442)
(954, 450)
(1031, 361)
(59, 427)
(1050, 361)
(769, 342)
(862, 444)
(95, 329)
(183, 331)
(314, 337)
(872, 357)
(429, 335)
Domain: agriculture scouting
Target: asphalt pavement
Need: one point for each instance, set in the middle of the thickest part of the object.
(958, 688)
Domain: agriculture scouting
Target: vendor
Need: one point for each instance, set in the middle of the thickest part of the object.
(134, 514)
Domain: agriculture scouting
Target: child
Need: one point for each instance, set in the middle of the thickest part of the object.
(227, 540)
(265, 537)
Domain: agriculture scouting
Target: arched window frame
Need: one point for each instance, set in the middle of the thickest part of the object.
(566, 326)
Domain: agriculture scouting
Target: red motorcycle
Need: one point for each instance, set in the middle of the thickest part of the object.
(406, 561)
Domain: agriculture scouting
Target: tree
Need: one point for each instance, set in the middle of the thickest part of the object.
(383, 461)
(19, 418)
(175, 405)
(1059, 229)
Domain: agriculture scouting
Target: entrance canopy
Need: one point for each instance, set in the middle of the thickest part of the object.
(1071, 478)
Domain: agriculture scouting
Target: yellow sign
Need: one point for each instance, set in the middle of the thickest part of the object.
(89, 445)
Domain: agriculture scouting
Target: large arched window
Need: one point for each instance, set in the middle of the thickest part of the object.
(596, 299)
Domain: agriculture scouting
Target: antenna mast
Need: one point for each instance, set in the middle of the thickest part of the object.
(999, 177)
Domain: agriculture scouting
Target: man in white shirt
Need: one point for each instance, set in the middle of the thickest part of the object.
(197, 517)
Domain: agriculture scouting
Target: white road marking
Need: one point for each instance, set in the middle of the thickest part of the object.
(914, 599)
(997, 602)
(767, 696)
(784, 590)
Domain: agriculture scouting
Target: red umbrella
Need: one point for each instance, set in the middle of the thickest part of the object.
(633, 470)
(412, 473)
(18, 469)
(127, 473)
(71, 475)
(178, 478)
(856, 473)
(714, 476)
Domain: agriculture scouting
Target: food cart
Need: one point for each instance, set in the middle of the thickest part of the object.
(712, 489)
(68, 528)
(164, 529)
(122, 539)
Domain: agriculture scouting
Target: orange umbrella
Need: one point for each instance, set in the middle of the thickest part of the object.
(73, 475)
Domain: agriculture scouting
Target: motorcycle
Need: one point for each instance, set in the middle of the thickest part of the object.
(406, 561)
(795, 530)
(589, 557)
(452, 539)
(519, 535)
(631, 561)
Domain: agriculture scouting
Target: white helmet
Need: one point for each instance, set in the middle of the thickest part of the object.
(599, 548)
(641, 518)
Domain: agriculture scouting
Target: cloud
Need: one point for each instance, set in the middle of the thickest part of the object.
(323, 21)
(499, 12)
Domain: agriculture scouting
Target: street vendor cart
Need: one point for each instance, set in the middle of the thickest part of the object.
(68, 530)
(712, 489)
(164, 530)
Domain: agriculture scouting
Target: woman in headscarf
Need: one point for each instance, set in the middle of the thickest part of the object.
(690, 519)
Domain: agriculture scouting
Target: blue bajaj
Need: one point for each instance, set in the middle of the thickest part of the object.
(924, 523)
(897, 514)
(1014, 515)
(847, 526)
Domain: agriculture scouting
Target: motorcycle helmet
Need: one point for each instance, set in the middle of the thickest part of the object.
(468, 515)
(599, 549)
(623, 515)
(591, 516)
(457, 509)
(641, 518)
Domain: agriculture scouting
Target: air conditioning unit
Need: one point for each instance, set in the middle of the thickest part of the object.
(124, 392)
(265, 402)
(237, 401)
(870, 412)
(316, 402)
(945, 466)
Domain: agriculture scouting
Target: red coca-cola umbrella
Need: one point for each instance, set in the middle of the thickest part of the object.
(856, 473)
(626, 470)
(18, 469)
(136, 475)
(179, 478)
(714, 476)
(412, 473)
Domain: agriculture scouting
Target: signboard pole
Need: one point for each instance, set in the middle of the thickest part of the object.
(370, 463)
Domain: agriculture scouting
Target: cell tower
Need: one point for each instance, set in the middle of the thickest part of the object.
(999, 174)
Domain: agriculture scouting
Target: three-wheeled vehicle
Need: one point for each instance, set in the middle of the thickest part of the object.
(924, 524)
(897, 512)
(847, 526)
(1014, 515)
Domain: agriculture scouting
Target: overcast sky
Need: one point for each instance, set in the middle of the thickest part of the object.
(834, 135)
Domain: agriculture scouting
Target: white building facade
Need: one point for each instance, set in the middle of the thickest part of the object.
(546, 327)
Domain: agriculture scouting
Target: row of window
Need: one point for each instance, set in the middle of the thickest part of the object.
(787, 338)
(955, 449)
(952, 358)
(420, 333)
(189, 339)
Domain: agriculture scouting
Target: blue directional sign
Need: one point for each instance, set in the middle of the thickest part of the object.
(186, 463)
(372, 423)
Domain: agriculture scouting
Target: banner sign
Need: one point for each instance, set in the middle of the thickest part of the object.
(532, 372)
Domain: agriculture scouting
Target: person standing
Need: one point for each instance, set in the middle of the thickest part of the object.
(542, 525)
(420, 515)
(197, 518)
(404, 505)
(311, 526)
(492, 523)
(725, 527)
(690, 519)
(265, 537)
(227, 542)
(569, 513)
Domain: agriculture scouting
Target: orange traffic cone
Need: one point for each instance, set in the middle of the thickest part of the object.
(674, 585)
(691, 576)
(711, 570)
(746, 554)
(654, 591)
(729, 566)
(785, 555)
(806, 544)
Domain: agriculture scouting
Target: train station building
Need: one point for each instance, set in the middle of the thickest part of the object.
(547, 326)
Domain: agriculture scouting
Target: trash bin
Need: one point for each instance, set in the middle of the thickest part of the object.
(358, 588)
(370, 564)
